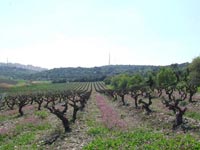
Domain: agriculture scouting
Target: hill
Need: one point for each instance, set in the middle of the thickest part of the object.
(18, 71)
(73, 74)
(92, 74)
(87, 74)
(27, 67)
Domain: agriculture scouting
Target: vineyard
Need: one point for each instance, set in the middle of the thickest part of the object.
(89, 115)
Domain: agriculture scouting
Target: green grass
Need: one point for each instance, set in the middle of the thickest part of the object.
(98, 131)
(3, 118)
(193, 115)
(2, 137)
(140, 139)
(144, 138)
(23, 136)
(109, 86)
(31, 127)
(7, 117)
(19, 142)
(41, 114)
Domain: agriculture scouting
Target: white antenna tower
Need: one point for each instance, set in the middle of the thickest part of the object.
(109, 59)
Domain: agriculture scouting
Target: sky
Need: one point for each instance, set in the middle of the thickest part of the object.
(73, 33)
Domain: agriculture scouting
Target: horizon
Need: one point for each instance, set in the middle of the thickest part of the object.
(54, 34)
(92, 66)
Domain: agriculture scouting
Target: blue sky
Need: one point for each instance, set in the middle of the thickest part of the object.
(64, 33)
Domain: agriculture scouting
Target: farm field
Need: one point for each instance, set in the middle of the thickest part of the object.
(99, 75)
(82, 115)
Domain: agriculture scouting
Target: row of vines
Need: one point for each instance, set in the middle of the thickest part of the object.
(58, 99)
(174, 97)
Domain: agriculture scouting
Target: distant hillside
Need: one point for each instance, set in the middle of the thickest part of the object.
(88, 74)
(73, 74)
(18, 71)
(15, 73)
(92, 74)
(27, 67)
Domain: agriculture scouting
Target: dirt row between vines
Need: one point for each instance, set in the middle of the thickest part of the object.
(79, 137)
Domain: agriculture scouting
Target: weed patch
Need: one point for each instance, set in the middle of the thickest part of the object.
(41, 114)
(98, 131)
(19, 142)
(141, 139)
(193, 115)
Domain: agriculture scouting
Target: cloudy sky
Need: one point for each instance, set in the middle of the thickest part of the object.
(71, 33)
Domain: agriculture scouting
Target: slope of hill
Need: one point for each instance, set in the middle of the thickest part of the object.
(88, 74)
(74, 74)
(14, 72)
(18, 71)
(28, 67)
(92, 74)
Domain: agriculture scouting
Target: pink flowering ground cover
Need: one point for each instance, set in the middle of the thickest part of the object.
(29, 107)
(110, 117)
(9, 112)
(4, 130)
(31, 120)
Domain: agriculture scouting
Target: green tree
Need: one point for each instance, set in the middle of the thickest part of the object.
(194, 69)
(151, 80)
(120, 84)
(135, 84)
(107, 80)
(193, 81)
(135, 81)
(166, 77)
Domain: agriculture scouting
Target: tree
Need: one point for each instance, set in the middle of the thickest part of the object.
(61, 114)
(178, 111)
(73, 101)
(151, 80)
(192, 77)
(135, 84)
(22, 101)
(107, 80)
(2, 102)
(176, 71)
(120, 84)
(194, 69)
(10, 101)
(135, 81)
(166, 77)
(146, 105)
(38, 98)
